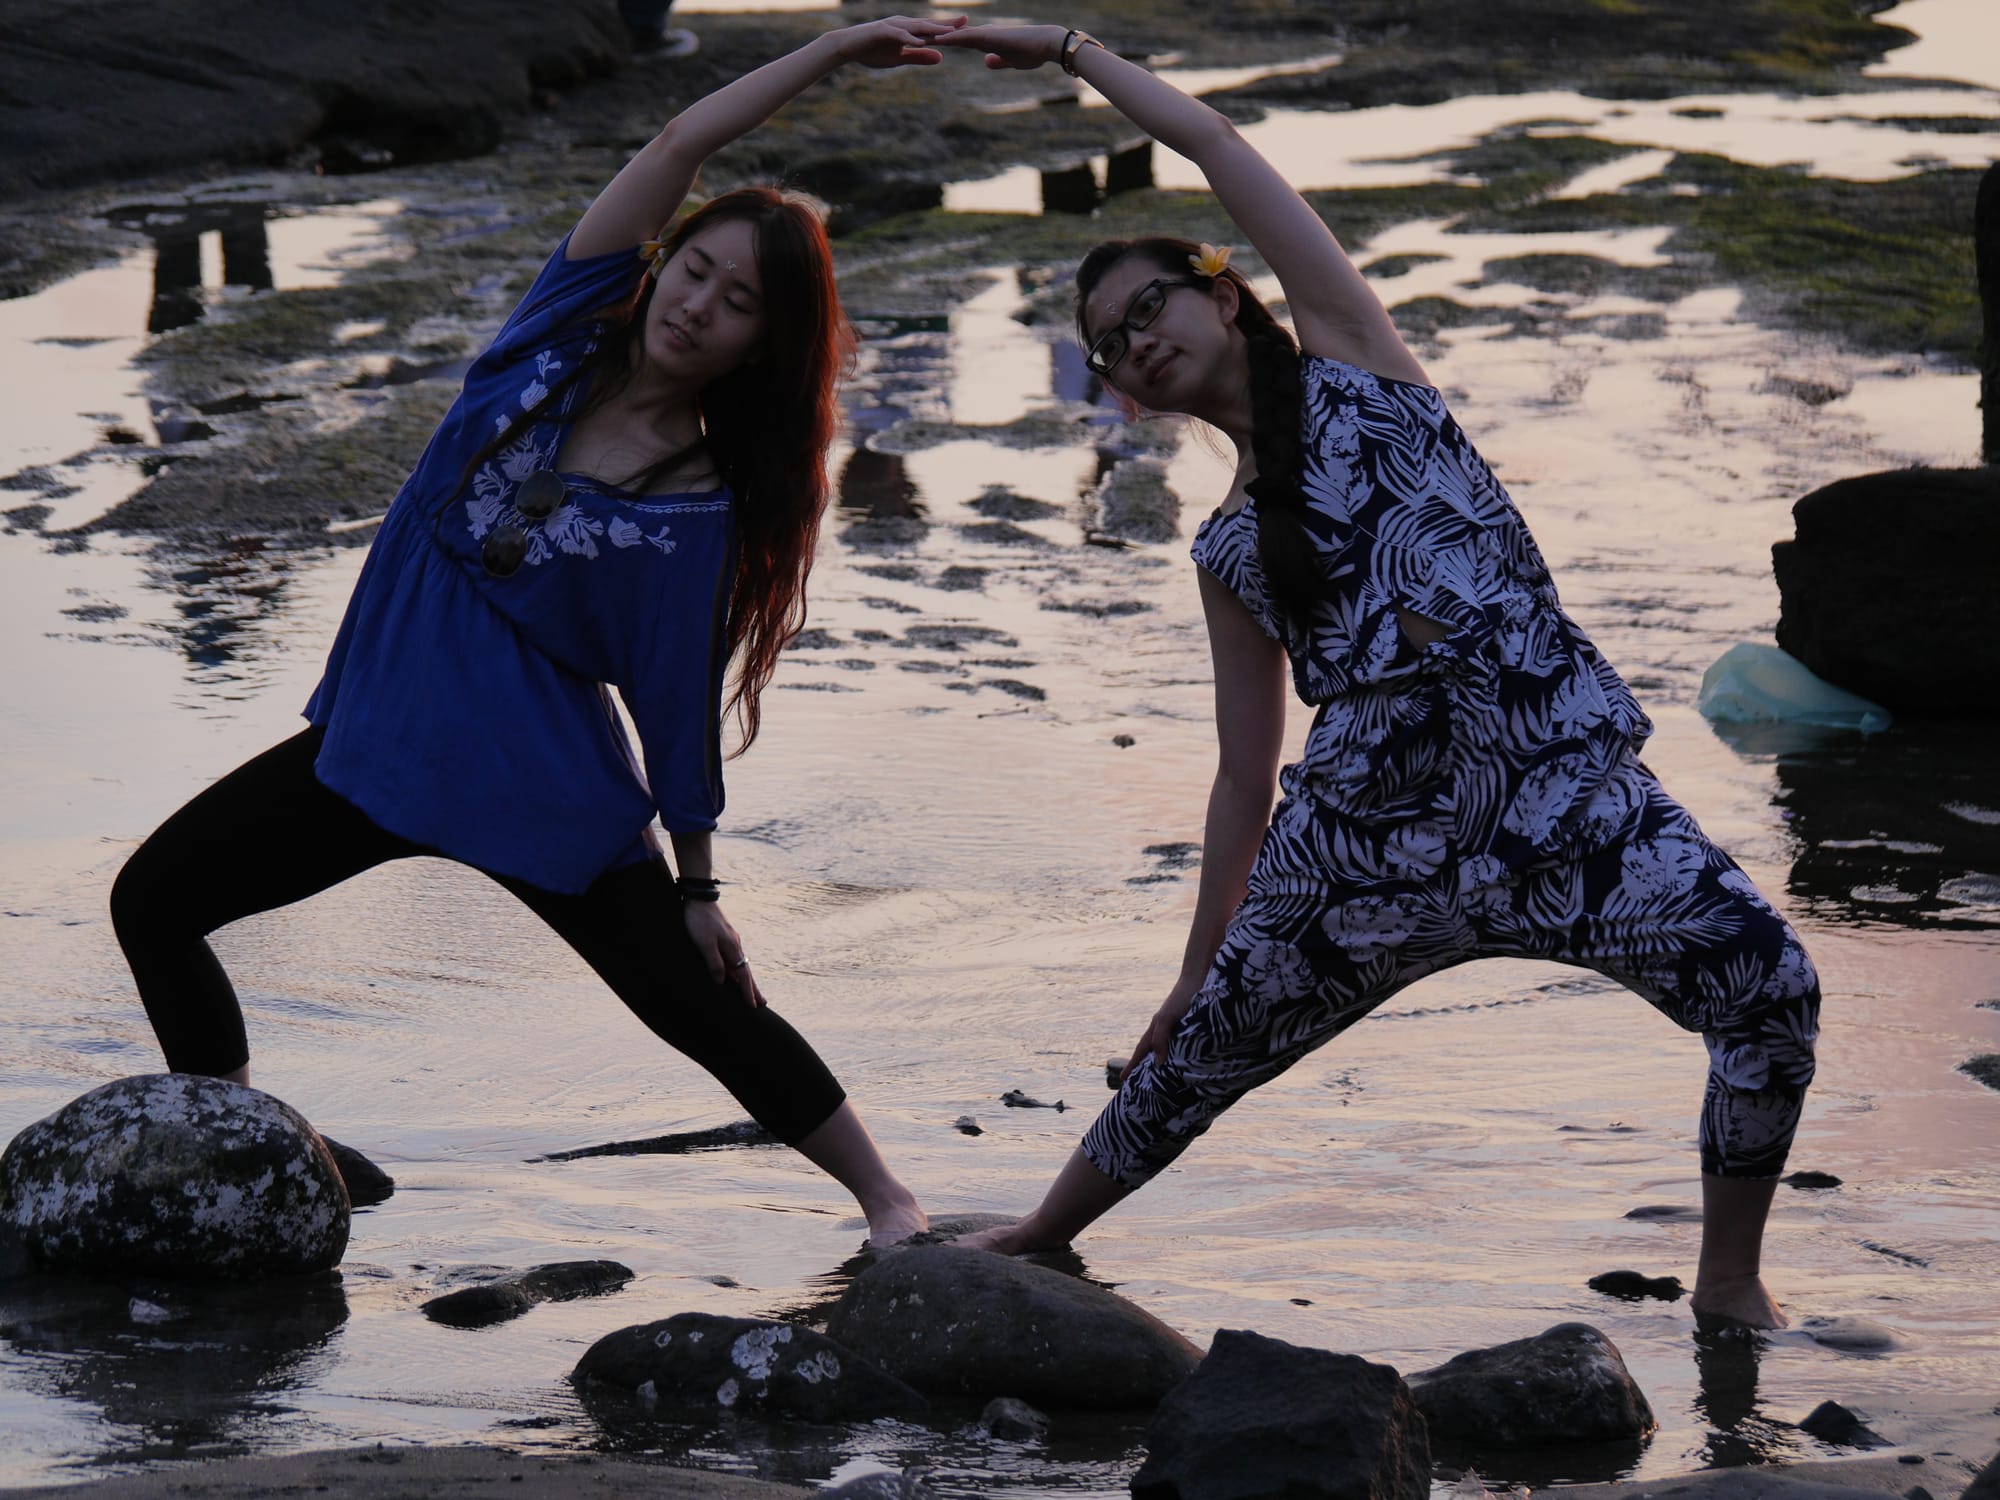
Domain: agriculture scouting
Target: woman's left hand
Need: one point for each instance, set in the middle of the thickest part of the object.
(721, 949)
(1024, 47)
(896, 41)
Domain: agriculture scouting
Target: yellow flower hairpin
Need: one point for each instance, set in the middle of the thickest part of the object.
(1212, 260)
(655, 251)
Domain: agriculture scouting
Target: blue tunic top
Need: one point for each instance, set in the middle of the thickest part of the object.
(472, 714)
(1497, 733)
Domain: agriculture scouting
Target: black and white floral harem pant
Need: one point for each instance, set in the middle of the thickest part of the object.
(1646, 900)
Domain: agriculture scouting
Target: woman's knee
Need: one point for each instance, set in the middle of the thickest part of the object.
(139, 896)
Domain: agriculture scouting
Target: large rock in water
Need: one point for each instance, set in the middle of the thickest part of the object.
(1568, 1385)
(954, 1321)
(702, 1362)
(1888, 589)
(1263, 1417)
(174, 1175)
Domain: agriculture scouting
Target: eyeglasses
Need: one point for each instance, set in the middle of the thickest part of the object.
(506, 547)
(1103, 356)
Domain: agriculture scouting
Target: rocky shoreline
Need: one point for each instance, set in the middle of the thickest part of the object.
(321, 421)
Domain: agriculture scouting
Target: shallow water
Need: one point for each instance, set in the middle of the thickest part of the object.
(957, 883)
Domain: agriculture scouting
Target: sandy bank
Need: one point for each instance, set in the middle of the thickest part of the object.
(380, 1473)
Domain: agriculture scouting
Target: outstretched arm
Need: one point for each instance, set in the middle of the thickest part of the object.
(1333, 307)
(645, 194)
(1250, 732)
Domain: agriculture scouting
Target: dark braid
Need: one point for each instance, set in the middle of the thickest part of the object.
(1284, 550)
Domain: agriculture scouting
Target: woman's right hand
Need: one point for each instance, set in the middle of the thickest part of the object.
(1166, 1021)
(896, 41)
(1025, 47)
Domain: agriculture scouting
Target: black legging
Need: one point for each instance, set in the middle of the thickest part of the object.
(269, 834)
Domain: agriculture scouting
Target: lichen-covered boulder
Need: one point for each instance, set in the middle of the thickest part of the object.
(169, 1174)
(1567, 1385)
(703, 1362)
(962, 1322)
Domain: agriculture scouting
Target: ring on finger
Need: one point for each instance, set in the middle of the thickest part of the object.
(742, 961)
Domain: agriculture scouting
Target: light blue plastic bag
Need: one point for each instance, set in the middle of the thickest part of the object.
(1752, 683)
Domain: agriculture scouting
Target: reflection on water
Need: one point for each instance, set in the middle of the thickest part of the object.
(174, 1369)
(1077, 189)
(180, 238)
(1901, 827)
(1726, 1365)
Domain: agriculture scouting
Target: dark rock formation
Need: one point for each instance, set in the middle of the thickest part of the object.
(510, 1296)
(1632, 1286)
(1986, 249)
(1887, 589)
(145, 86)
(1985, 1067)
(1831, 1422)
(1985, 1484)
(1262, 1417)
(169, 1174)
(366, 1183)
(969, 1323)
(697, 1361)
(1004, 1417)
(1812, 1181)
(1568, 1385)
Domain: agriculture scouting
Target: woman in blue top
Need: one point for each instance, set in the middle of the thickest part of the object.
(625, 495)
(1471, 783)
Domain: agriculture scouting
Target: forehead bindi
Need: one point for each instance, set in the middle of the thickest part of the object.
(1111, 301)
(731, 254)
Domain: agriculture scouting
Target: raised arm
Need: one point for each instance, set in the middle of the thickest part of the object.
(1333, 308)
(650, 187)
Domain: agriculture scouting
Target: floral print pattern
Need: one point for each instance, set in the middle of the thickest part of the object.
(1477, 796)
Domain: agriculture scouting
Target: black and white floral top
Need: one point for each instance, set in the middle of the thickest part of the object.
(1497, 734)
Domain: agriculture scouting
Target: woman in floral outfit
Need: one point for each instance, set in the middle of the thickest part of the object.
(625, 495)
(1470, 786)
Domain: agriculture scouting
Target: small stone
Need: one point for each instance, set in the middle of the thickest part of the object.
(1812, 1181)
(1016, 1099)
(967, 1125)
(1854, 1335)
(1006, 1417)
(1302, 1302)
(497, 1301)
(367, 1184)
(1985, 1068)
(908, 1485)
(1123, 741)
(1831, 1422)
(1634, 1286)
(1679, 1213)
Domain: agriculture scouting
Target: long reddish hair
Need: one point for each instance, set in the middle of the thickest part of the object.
(767, 424)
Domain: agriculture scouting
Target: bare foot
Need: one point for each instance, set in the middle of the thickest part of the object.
(1002, 1239)
(893, 1222)
(1740, 1300)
